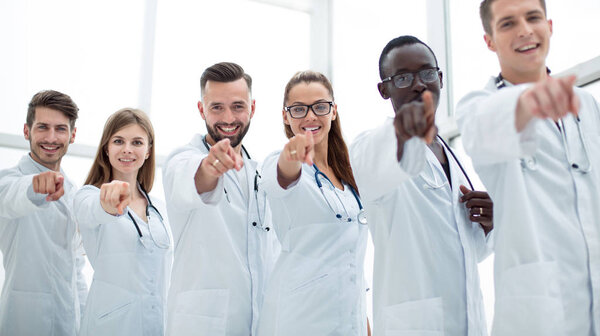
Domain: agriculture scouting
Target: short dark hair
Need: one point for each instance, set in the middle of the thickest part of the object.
(485, 12)
(399, 42)
(53, 100)
(224, 72)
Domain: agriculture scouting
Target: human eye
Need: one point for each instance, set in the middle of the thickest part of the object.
(403, 79)
(216, 108)
(506, 24)
(138, 142)
(41, 127)
(61, 128)
(117, 141)
(239, 107)
(534, 18)
(298, 109)
(321, 108)
(428, 75)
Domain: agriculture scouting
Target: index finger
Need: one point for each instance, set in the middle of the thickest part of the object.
(568, 85)
(428, 104)
(475, 194)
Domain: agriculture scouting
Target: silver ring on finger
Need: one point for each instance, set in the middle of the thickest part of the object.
(214, 164)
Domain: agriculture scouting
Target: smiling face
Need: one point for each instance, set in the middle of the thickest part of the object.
(49, 137)
(306, 94)
(227, 109)
(520, 38)
(127, 151)
(406, 59)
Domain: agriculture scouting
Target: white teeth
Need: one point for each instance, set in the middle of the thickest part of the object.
(527, 47)
(311, 128)
(49, 148)
(126, 160)
(228, 129)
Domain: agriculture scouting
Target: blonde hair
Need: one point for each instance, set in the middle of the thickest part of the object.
(101, 171)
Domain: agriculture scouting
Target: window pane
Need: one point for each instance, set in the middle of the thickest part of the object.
(88, 50)
(190, 40)
(360, 31)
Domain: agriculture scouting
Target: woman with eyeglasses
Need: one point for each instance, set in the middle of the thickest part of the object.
(317, 285)
(126, 238)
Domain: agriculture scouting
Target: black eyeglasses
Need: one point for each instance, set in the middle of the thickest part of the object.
(406, 79)
(300, 111)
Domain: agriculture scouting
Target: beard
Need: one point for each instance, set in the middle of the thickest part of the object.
(236, 139)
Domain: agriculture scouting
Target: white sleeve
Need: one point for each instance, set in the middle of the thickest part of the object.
(486, 121)
(179, 184)
(88, 210)
(17, 197)
(374, 163)
(82, 289)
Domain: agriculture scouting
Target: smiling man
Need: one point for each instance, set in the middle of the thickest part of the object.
(44, 290)
(224, 248)
(534, 140)
(429, 230)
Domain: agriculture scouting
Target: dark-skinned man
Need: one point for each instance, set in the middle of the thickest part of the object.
(429, 230)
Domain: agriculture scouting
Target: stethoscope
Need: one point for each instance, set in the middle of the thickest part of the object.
(261, 224)
(457, 161)
(530, 163)
(361, 217)
(137, 227)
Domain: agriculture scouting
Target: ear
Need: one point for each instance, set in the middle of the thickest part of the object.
(550, 24)
(73, 135)
(441, 75)
(382, 91)
(26, 131)
(334, 112)
(285, 116)
(252, 108)
(489, 41)
(201, 109)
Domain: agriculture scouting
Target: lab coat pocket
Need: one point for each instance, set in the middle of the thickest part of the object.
(528, 301)
(310, 306)
(113, 309)
(200, 312)
(15, 319)
(415, 318)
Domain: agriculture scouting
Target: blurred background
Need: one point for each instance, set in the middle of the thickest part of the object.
(150, 54)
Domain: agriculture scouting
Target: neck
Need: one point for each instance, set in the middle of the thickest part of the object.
(129, 178)
(528, 77)
(320, 158)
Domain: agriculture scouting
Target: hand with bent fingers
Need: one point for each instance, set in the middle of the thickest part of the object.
(51, 183)
(415, 119)
(115, 196)
(299, 149)
(481, 207)
(221, 158)
(552, 98)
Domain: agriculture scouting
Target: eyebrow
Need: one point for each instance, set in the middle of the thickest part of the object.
(322, 100)
(46, 124)
(120, 137)
(512, 17)
(422, 67)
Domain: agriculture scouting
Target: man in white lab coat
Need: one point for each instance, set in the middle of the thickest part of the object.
(44, 290)
(534, 140)
(429, 230)
(224, 248)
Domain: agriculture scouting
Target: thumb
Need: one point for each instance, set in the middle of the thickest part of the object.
(464, 190)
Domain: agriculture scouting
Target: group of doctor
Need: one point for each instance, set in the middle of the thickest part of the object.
(277, 249)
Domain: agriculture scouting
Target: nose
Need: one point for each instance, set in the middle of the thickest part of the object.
(310, 115)
(51, 135)
(127, 148)
(525, 28)
(418, 85)
(228, 116)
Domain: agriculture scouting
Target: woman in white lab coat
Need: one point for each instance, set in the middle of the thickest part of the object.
(317, 286)
(127, 239)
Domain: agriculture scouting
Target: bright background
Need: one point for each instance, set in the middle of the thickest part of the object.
(150, 54)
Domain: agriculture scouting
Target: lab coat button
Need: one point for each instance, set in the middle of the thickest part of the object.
(254, 224)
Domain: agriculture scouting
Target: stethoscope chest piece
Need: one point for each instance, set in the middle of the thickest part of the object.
(362, 217)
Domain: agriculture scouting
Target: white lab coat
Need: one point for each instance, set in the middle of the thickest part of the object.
(222, 260)
(44, 290)
(547, 215)
(426, 248)
(317, 286)
(128, 294)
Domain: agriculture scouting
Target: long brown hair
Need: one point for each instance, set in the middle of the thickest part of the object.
(101, 171)
(337, 151)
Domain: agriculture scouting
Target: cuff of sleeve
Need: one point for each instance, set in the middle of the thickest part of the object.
(214, 196)
(269, 181)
